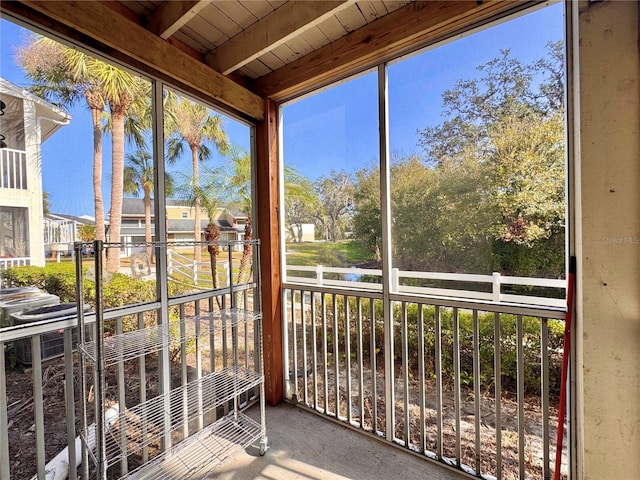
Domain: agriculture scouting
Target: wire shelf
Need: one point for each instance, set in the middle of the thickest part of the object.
(138, 343)
(144, 423)
(210, 446)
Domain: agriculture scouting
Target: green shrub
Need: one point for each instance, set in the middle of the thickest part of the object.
(24, 276)
(531, 340)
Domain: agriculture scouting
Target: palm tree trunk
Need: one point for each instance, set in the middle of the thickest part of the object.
(197, 253)
(212, 235)
(244, 270)
(117, 186)
(147, 221)
(97, 173)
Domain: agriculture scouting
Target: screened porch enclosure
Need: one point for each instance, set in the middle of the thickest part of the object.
(395, 351)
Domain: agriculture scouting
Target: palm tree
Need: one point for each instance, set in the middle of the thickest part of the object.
(236, 183)
(64, 76)
(138, 176)
(194, 125)
(121, 90)
(238, 187)
(208, 196)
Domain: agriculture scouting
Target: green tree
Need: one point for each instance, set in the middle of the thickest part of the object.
(509, 121)
(46, 203)
(194, 125)
(87, 233)
(301, 201)
(488, 193)
(336, 196)
(236, 183)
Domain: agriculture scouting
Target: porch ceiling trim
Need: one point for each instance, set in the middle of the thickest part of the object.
(283, 24)
(105, 25)
(400, 32)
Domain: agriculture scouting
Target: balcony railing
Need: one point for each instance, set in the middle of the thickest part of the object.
(410, 370)
(468, 383)
(491, 288)
(14, 262)
(33, 424)
(13, 169)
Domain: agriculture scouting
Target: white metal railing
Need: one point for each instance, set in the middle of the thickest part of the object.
(421, 372)
(13, 169)
(49, 348)
(14, 262)
(187, 269)
(489, 288)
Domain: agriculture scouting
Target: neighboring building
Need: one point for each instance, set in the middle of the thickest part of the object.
(301, 232)
(60, 231)
(26, 122)
(180, 223)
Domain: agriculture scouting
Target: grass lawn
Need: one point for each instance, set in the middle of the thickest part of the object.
(345, 253)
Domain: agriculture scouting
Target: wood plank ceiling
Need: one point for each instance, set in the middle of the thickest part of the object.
(259, 48)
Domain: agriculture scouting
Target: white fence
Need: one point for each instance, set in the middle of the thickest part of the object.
(186, 269)
(494, 284)
(14, 262)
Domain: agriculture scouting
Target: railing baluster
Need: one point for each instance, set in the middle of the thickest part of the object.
(69, 401)
(36, 356)
(520, 393)
(212, 339)
(497, 368)
(5, 471)
(122, 406)
(293, 371)
(184, 374)
(360, 361)
(225, 346)
(544, 380)
(347, 356)
(476, 391)
(314, 337)
(198, 359)
(325, 360)
(438, 365)
(305, 361)
(142, 372)
(456, 385)
(374, 367)
(405, 374)
(336, 355)
(421, 376)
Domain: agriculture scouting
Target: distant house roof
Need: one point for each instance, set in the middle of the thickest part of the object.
(134, 207)
(186, 225)
(61, 216)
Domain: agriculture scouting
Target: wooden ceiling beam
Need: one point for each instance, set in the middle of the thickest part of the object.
(106, 26)
(397, 33)
(270, 32)
(170, 16)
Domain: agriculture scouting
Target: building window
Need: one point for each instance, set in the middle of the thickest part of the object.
(185, 215)
(14, 232)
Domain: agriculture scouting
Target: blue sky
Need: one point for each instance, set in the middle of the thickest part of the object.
(67, 157)
(335, 130)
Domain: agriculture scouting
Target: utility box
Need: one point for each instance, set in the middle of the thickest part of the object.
(51, 343)
(25, 302)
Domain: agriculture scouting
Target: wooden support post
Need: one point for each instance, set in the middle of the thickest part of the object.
(267, 190)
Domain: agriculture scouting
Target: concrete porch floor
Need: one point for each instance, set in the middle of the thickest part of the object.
(304, 446)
